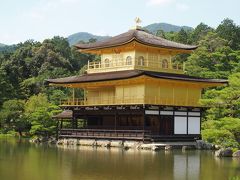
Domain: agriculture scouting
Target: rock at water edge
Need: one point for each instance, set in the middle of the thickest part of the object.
(236, 154)
(224, 152)
(168, 148)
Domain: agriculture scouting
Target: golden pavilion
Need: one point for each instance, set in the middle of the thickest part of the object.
(135, 92)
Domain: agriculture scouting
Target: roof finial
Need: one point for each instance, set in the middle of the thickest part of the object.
(137, 22)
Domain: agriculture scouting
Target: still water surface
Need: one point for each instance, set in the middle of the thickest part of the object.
(20, 160)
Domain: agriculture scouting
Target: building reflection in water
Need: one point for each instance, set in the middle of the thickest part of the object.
(186, 166)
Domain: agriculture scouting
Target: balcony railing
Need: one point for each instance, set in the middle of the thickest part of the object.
(94, 67)
(104, 133)
(115, 100)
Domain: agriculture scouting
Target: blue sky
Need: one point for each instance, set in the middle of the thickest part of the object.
(40, 19)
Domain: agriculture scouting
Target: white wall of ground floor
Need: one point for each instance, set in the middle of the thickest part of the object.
(185, 122)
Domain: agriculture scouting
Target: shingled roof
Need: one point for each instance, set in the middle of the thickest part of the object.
(138, 35)
(66, 114)
(117, 75)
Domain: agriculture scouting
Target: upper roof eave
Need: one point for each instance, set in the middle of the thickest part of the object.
(133, 39)
(139, 36)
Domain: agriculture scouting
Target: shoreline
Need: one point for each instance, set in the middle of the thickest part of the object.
(138, 145)
(133, 145)
(126, 144)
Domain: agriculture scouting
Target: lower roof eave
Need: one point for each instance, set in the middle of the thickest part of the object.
(128, 74)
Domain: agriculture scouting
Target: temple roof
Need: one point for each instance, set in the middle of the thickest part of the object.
(117, 75)
(138, 35)
(66, 114)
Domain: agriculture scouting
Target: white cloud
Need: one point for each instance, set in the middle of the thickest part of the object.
(159, 2)
(182, 7)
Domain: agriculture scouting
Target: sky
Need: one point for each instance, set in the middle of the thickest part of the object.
(21, 20)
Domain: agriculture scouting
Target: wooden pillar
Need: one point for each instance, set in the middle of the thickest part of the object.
(73, 120)
(147, 63)
(86, 121)
(144, 121)
(73, 96)
(170, 62)
(130, 120)
(61, 125)
(143, 117)
(115, 123)
(76, 125)
(84, 97)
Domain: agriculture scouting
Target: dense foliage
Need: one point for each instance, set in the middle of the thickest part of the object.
(27, 105)
(222, 120)
(218, 56)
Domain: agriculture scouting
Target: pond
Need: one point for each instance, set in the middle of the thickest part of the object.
(20, 160)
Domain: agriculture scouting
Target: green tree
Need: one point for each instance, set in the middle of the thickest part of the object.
(6, 89)
(171, 35)
(39, 112)
(26, 68)
(199, 32)
(161, 33)
(56, 96)
(92, 40)
(182, 37)
(12, 118)
(231, 32)
(211, 41)
(222, 119)
(213, 58)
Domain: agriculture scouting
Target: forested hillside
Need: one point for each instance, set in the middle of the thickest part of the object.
(85, 37)
(27, 104)
(153, 28)
(1, 45)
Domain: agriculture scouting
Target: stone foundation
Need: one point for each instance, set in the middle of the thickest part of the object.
(124, 144)
(136, 145)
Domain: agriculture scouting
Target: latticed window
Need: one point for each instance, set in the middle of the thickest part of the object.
(118, 60)
(129, 60)
(164, 64)
(107, 62)
(140, 61)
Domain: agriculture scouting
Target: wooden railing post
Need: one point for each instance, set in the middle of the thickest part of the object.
(73, 96)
